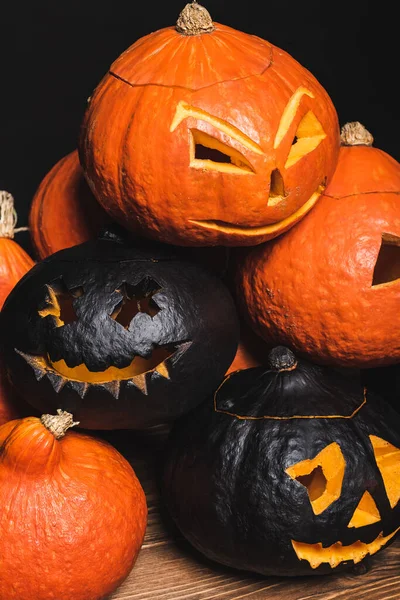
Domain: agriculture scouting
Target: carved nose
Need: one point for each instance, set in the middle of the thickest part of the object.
(277, 188)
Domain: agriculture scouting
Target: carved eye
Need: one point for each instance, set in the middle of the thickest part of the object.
(387, 459)
(212, 154)
(387, 266)
(136, 299)
(366, 512)
(60, 303)
(309, 135)
(322, 476)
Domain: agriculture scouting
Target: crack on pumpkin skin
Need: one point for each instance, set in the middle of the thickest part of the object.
(183, 87)
(358, 194)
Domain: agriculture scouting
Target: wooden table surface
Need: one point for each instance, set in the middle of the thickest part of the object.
(169, 569)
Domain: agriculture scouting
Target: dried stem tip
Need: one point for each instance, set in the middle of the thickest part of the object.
(194, 20)
(58, 424)
(355, 134)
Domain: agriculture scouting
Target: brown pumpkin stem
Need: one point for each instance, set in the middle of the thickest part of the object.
(58, 424)
(8, 216)
(355, 134)
(281, 358)
(194, 20)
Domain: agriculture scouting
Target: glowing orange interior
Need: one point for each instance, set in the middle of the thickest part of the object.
(316, 554)
(388, 460)
(366, 512)
(322, 476)
(138, 366)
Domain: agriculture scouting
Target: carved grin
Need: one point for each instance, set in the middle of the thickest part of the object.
(277, 227)
(59, 373)
(316, 554)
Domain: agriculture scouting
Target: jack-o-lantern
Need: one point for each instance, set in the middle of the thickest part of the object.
(202, 135)
(292, 469)
(119, 336)
(330, 287)
(64, 211)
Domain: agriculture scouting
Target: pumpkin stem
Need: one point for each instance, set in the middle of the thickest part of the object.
(194, 20)
(8, 216)
(281, 358)
(355, 134)
(58, 424)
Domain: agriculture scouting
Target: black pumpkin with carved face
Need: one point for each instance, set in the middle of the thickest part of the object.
(291, 469)
(122, 337)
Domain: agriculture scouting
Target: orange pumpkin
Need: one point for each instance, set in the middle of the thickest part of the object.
(14, 261)
(203, 135)
(64, 211)
(73, 513)
(330, 287)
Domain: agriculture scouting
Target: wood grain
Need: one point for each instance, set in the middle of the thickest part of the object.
(169, 569)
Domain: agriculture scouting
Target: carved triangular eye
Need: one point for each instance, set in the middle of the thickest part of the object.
(387, 266)
(387, 458)
(212, 154)
(366, 512)
(308, 136)
(322, 476)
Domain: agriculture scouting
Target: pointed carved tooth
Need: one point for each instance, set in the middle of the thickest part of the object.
(80, 387)
(140, 382)
(162, 370)
(113, 388)
(38, 363)
(57, 381)
(180, 350)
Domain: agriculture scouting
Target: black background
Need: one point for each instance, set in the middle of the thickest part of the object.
(54, 53)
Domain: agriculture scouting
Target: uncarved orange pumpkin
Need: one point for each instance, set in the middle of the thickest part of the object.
(64, 211)
(330, 287)
(203, 135)
(14, 261)
(73, 513)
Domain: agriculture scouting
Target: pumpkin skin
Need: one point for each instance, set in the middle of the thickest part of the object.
(273, 473)
(121, 337)
(330, 287)
(64, 211)
(73, 515)
(161, 130)
(12, 406)
(14, 261)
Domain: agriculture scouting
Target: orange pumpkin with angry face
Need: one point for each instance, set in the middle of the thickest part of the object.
(203, 135)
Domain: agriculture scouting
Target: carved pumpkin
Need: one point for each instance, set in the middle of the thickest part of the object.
(330, 287)
(291, 469)
(73, 513)
(121, 337)
(14, 261)
(202, 135)
(64, 211)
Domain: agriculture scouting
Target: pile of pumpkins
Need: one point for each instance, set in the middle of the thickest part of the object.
(217, 255)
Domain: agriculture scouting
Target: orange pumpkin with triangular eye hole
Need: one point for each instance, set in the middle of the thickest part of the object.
(330, 287)
(291, 469)
(203, 135)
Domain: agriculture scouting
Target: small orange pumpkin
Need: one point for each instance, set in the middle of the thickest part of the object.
(330, 287)
(203, 135)
(64, 211)
(14, 261)
(73, 513)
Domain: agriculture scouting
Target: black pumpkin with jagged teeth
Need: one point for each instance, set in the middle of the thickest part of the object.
(290, 469)
(121, 336)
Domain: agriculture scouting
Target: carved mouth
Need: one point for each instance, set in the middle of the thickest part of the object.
(316, 554)
(273, 228)
(59, 373)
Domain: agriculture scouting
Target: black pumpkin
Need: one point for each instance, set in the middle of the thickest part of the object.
(291, 469)
(121, 336)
